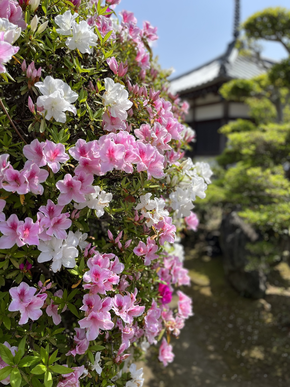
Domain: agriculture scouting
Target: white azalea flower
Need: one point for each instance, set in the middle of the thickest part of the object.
(56, 98)
(181, 202)
(203, 169)
(64, 21)
(137, 379)
(11, 31)
(82, 243)
(153, 210)
(116, 99)
(61, 252)
(96, 366)
(83, 38)
(96, 201)
(50, 250)
(55, 106)
(50, 85)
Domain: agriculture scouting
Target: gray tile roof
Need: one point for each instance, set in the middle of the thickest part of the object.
(231, 65)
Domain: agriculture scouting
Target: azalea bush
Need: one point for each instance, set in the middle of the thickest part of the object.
(94, 191)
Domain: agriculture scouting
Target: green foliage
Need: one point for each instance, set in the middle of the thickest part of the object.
(253, 171)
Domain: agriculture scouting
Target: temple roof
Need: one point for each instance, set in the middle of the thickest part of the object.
(230, 65)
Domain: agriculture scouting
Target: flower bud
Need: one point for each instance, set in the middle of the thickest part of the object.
(34, 23)
(34, 4)
(23, 66)
(31, 105)
(42, 27)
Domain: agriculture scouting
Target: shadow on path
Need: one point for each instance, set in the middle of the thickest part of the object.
(231, 341)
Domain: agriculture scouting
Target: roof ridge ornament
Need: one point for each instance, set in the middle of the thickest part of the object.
(237, 19)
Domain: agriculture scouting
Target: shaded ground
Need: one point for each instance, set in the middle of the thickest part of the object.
(231, 341)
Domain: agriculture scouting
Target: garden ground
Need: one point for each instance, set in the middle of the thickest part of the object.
(230, 341)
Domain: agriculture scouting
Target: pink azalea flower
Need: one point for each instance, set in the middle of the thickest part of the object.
(51, 210)
(82, 344)
(166, 230)
(28, 232)
(153, 324)
(54, 155)
(52, 309)
(23, 300)
(184, 305)
(83, 149)
(10, 9)
(112, 124)
(165, 293)
(192, 221)
(15, 181)
(21, 295)
(58, 226)
(10, 231)
(34, 152)
(70, 190)
(72, 379)
(94, 322)
(86, 183)
(165, 353)
(111, 155)
(150, 160)
(128, 17)
(6, 52)
(149, 32)
(34, 176)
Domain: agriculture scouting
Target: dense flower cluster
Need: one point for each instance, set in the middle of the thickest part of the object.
(94, 192)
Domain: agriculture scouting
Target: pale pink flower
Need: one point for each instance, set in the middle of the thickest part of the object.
(94, 322)
(28, 232)
(112, 124)
(82, 344)
(34, 152)
(111, 155)
(166, 230)
(34, 176)
(128, 17)
(54, 155)
(192, 221)
(69, 190)
(6, 52)
(21, 295)
(149, 32)
(184, 305)
(15, 181)
(11, 10)
(10, 231)
(165, 353)
(72, 379)
(150, 160)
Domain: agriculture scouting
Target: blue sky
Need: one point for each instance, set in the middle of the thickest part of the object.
(192, 32)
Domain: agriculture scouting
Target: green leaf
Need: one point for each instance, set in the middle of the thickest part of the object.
(52, 357)
(6, 355)
(44, 355)
(60, 369)
(21, 349)
(108, 34)
(48, 379)
(4, 372)
(7, 322)
(36, 382)
(97, 348)
(15, 378)
(39, 369)
(73, 309)
(28, 361)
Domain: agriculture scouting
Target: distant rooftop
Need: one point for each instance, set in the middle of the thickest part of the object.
(230, 65)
